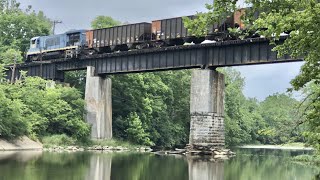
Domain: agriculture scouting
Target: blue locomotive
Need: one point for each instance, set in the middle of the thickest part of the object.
(66, 45)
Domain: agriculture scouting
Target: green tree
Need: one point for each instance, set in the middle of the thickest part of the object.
(279, 111)
(19, 26)
(300, 19)
(242, 117)
(135, 131)
(104, 22)
(311, 110)
(10, 56)
(48, 110)
(12, 124)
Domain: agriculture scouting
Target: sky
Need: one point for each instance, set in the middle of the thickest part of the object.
(261, 80)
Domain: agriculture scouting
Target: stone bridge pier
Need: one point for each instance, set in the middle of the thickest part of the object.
(98, 98)
(206, 110)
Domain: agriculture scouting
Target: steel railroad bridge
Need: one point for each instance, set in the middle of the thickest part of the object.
(229, 53)
(207, 84)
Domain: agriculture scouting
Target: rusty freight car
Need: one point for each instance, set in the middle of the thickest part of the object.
(173, 32)
(124, 37)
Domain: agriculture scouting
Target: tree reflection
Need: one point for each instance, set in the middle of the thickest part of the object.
(266, 165)
(254, 165)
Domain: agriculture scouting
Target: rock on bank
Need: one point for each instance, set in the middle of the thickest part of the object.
(23, 143)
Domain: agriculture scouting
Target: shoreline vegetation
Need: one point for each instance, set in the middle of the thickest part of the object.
(289, 146)
(63, 143)
(57, 143)
(60, 142)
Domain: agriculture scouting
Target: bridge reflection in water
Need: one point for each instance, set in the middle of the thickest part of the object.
(137, 166)
(205, 169)
(101, 168)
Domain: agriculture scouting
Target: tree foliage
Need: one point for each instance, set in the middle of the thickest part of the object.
(104, 22)
(18, 27)
(247, 120)
(151, 98)
(299, 18)
(279, 111)
(39, 110)
(12, 123)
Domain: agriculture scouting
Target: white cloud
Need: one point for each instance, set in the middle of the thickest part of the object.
(267, 79)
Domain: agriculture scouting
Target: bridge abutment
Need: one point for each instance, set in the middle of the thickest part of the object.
(98, 99)
(207, 111)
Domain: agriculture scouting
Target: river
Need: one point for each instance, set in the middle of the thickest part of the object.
(249, 164)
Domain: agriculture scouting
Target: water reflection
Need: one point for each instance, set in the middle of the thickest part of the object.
(205, 169)
(100, 168)
(19, 156)
(247, 165)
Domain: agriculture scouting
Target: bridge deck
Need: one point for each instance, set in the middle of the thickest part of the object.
(229, 53)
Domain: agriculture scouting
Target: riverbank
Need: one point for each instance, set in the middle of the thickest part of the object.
(279, 147)
(62, 144)
(23, 143)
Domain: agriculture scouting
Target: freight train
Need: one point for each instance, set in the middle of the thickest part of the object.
(159, 33)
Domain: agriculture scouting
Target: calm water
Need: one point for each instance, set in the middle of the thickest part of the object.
(247, 165)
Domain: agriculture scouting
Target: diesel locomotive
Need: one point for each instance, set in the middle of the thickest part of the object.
(68, 45)
(159, 33)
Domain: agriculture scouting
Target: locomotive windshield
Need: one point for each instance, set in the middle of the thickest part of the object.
(74, 39)
(34, 43)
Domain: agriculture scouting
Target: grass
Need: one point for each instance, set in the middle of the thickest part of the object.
(64, 141)
(58, 140)
(115, 143)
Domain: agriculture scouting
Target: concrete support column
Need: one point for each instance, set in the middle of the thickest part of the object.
(207, 110)
(98, 105)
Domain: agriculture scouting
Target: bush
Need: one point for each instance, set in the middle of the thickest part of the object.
(58, 140)
(30, 107)
(12, 124)
(135, 131)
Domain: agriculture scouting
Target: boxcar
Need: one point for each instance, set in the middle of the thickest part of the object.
(122, 37)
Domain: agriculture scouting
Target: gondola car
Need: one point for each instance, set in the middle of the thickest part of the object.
(66, 45)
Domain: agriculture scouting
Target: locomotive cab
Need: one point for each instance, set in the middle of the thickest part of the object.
(76, 38)
(34, 43)
(75, 43)
(34, 49)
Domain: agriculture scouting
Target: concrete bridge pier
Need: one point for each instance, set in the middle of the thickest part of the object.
(98, 105)
(206, 110)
